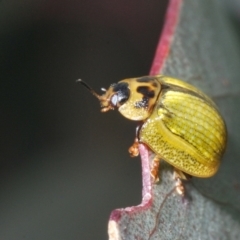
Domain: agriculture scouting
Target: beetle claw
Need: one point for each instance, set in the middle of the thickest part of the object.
(179, 176)
(155, 169)
(179, 187)
(134, 150)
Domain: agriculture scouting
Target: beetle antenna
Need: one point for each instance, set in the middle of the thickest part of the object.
(89, 88)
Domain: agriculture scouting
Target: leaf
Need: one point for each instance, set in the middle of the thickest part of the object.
(198, 45)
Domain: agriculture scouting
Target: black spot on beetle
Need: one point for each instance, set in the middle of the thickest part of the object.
(154, 84)
(146, 92)
(122, 86)
(122, 91)
(146, 79)
(143, 103)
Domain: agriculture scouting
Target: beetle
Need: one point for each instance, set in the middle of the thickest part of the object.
(178, 122)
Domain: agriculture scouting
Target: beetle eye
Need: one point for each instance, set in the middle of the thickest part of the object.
(122, 93)
(114, 100)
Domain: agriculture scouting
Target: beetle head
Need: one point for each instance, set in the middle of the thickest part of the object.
(143, 95)
(113, 98)
(134, 97)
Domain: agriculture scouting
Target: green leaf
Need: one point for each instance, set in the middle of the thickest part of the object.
(198, 45)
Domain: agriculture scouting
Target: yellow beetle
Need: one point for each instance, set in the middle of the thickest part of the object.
(178, 122)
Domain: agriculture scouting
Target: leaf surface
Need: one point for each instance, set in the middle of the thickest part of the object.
(199, 45)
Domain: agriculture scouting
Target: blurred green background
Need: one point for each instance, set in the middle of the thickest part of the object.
(64, 165)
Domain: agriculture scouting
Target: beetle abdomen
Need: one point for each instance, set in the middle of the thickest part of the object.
(196, 122)
(174, 149)
(187, 131)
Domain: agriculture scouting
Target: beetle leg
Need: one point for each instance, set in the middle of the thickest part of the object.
(155, 169)
(179, 176)
(133, 150)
